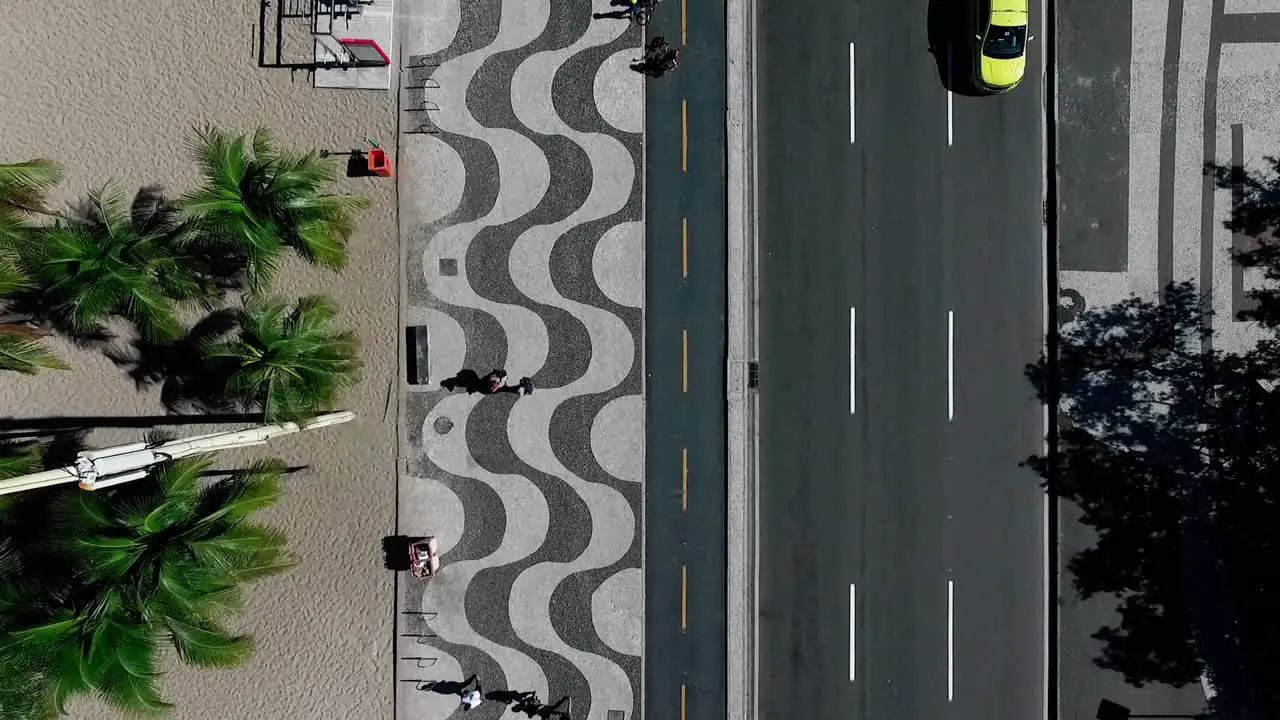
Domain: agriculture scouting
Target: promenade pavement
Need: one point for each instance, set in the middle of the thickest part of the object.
(521, 187)
(1149, 92)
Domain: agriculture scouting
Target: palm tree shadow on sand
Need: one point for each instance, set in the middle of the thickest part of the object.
(150, 214)
(187, 386)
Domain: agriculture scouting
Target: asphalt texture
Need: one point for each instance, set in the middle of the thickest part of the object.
(685, 531)
(896, 498)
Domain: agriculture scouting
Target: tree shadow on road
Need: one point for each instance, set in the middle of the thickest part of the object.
(1170, 450)
(1255, 214)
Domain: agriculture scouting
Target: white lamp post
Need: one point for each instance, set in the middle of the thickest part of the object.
(97, 469)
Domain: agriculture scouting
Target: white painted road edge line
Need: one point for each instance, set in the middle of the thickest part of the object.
(951, 628)
(853, 360)
(950, 116)
(951, 364)
(852, 76)
(949, 94)
(853, 598)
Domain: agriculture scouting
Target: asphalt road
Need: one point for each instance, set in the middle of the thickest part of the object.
(921, 235)
(685, 482)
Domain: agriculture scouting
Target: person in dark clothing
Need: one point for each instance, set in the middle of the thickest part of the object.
(658, 62)
(654, 49)
(495, 381)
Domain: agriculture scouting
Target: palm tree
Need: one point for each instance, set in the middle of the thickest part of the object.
(118, 261)
(258, 201)
(290, 363)
(22, 188)
(128, 569)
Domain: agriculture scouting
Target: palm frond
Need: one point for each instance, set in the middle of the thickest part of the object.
(20, 352)
(12, 278)
(19, 459)
(239, 496)
(105, 265)
(261, 201)
(209, 646)
(164, 559)
(289, 362)
(22, 185)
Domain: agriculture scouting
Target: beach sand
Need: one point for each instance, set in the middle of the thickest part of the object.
(110, 90)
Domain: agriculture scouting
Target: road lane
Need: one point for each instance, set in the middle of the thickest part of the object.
(685, 480)
(849, 497)
(999, 299)
(905, 224)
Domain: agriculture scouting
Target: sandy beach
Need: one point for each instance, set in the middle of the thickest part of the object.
(110, 89)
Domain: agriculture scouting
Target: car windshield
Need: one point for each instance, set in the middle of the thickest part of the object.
(1004, 43)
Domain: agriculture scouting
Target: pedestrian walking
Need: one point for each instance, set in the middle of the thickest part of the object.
(496, 380)
(654, 49)
(471, 698)
(659, 62)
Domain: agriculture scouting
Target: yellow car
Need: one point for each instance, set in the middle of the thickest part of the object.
(1002, 44)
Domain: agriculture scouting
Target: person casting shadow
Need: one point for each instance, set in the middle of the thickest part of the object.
(535, 709)
(470, 381)
(447, 687)
(659, 58)
(466, 379)
(507, 697)
(524, 387)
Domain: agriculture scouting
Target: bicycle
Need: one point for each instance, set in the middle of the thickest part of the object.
(642, 10)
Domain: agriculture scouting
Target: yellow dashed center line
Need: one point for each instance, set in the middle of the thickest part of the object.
(684, 361)
(684, 136)
(682, 701)
(683, 25)
(684, 479)
(684, 248)
(684, 597)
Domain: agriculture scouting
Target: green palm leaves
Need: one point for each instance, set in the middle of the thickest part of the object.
(289, 362)
(22, 188)
(261, 201)
(21, 351)
(123, 572)
(118, 262)
(147, 261)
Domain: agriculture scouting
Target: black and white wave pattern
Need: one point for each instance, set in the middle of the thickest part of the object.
(531, 189)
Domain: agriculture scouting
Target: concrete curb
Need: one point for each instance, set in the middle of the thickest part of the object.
(741, 421)
(1049, 247)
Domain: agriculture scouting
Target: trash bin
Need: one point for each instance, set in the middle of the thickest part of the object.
(379, 163)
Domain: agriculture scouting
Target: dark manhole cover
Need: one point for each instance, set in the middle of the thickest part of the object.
(448, 267)
(443, 425)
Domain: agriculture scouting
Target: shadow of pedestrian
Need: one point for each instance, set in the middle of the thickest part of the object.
(446, 687)
(506, 697)
(468, 380)
(646, 68)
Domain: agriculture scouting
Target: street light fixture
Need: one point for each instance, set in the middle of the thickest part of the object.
(98, 469)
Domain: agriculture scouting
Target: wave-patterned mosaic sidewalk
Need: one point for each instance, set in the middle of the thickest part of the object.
(521, 213)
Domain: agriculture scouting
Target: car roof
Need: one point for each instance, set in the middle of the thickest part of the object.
(1017, 6)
